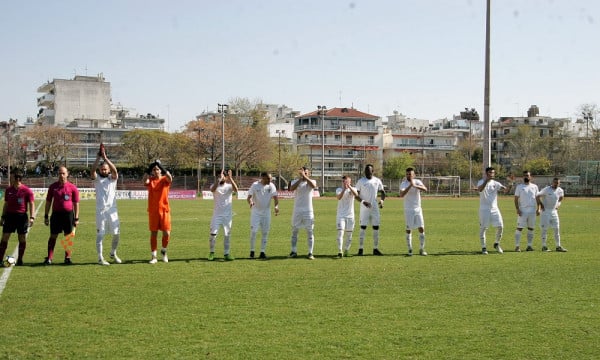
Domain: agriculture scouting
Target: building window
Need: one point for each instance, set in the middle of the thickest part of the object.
(506, 131)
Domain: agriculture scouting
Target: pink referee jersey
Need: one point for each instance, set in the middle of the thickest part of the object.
(63, 196)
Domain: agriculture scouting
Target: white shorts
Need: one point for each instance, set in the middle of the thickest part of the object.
(369, 215)
(414, 218)
(218, 221)
(107, 222)
(345, 223)
(489, 217)
(303, 221)
(526, 220)
(549, 219)
(260, 222)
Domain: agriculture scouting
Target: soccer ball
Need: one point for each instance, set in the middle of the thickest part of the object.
(9, 261)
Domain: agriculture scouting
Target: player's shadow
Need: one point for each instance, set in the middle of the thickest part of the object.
(455, 253)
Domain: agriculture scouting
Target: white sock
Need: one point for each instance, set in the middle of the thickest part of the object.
(212, 239)
(529, 237)
(375, 239)
(361, 238)
(340, 239)
(482, 237)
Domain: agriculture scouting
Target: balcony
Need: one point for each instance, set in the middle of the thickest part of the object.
(46, 115)
(337, 129)
(418, 146)
(45, 100)
(47, 87)
(334, 142)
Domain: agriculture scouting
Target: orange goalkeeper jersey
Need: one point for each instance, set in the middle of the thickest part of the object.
(158, 194)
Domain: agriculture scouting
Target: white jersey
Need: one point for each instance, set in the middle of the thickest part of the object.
(106, 193)
(223, 200)
(368, 189)
(345, 207)
(550, 197)
(412, 199)
(303, 198)
(261, 195)
(488, 198)
(526, 194)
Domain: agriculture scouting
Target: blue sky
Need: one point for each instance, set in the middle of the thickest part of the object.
(423, 58)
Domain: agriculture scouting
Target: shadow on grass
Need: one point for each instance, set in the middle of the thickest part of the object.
(333, 257)
(455, 252)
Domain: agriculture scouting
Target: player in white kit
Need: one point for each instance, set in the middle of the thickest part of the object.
(410, 190)
(489, 213)
(368, 187)
(345, 214)
(259, 198)
(527, 210)
(303, 216)
(549, 199)
(107, 217)
(222, 189)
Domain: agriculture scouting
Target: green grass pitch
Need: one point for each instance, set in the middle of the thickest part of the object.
(452, 304)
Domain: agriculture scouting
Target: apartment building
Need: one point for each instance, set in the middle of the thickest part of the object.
(65, 100)
(338, 141)
(82, 105)
(503, 131)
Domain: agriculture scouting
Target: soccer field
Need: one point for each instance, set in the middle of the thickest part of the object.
(452, 304)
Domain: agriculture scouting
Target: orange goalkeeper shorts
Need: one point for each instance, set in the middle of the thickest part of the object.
(159, 221)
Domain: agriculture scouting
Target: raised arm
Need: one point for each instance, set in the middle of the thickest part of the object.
(218, 179)
(230, 178)
(94, 170)
(113, 169)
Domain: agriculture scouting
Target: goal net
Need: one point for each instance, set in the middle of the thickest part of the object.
(442, 185)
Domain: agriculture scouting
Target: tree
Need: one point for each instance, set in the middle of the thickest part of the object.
(589, 113)
(249, 112)
(145, 146)
(458, 165)
(562, 149)
(246, 137)
(289, 160)
(539, 166)
(527, 145)
(247, 146)
(394, 167)
(177, 151)
(207, 141)
(52, 142)
(589, 144)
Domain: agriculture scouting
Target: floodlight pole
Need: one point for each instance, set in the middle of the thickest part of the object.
(322, 110)
(487, 158)
(222, 109)
(279, 133)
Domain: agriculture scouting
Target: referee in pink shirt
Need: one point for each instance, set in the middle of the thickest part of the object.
(18, 200)
(63, 198)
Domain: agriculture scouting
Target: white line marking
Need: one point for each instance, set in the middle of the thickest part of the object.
(7, 271)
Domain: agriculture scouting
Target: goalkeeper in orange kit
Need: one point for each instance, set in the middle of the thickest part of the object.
(158, 182)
